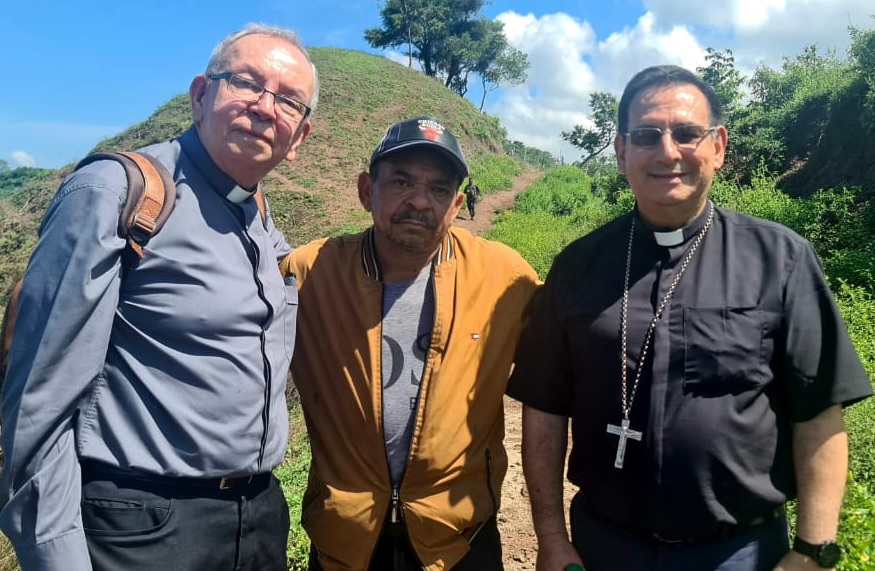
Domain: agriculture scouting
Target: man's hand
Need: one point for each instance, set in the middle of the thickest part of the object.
(795, 561)
(555, 552)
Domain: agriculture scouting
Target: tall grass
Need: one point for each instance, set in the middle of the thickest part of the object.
(493, 173)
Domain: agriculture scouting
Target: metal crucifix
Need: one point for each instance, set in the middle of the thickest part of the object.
(624, 432)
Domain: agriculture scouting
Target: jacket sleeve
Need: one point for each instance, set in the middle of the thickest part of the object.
(66, 313)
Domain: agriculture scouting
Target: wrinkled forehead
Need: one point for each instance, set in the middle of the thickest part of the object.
(682, 102)
(270, 55)
(417, 159)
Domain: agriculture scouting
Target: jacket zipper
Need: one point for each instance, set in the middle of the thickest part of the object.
(395, 513)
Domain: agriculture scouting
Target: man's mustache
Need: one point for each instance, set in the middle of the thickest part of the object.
(415, 216)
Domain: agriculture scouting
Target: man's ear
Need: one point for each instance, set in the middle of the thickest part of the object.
(301, 135)
(620, 152)
(196, 93)
(720, 141)
(365, 186)
(457, 204)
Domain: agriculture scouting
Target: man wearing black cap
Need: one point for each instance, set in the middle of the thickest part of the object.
(405, 344)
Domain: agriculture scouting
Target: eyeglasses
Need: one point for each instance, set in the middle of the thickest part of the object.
(685, 136)
(248, 90)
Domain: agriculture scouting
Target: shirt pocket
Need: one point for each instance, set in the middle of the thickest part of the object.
(291, 290)
(723, 349)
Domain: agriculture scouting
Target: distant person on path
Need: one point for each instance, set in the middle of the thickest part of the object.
(702, 361)
(144, 405)
(406, 340)
(472, 195)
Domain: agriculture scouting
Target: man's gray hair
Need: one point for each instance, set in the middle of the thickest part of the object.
(219, 58)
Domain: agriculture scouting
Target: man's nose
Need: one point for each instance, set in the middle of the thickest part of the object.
(265, 105)
(667, 146)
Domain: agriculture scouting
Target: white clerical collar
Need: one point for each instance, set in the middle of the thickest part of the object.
(673, 238)
(238, 194)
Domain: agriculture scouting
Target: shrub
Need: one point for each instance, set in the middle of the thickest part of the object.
(538, 237)
(493, 172)
(559, 192)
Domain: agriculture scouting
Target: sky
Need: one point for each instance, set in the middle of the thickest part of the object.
(78, 71)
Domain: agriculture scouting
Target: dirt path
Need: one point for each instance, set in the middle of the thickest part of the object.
(514, 519)
(492, 204)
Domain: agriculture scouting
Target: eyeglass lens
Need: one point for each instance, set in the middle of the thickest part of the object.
(685, 135)
(249, 90)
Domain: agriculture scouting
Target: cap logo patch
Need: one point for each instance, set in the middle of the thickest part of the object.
(431, 129)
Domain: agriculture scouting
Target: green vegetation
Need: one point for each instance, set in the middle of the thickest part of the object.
(555, 210)
(535, 158)
(493, 172)
(600, 137)
(12, 180)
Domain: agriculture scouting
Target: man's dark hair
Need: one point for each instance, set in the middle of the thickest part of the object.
(660, 76)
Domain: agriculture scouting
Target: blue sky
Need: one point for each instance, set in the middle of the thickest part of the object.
(78, 71)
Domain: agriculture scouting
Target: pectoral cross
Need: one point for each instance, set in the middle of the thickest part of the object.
(624, 432)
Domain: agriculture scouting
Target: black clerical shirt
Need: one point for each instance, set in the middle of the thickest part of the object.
(750, 342)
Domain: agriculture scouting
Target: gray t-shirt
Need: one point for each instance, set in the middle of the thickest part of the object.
(408, 317)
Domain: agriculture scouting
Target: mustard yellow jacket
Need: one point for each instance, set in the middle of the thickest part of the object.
(457, 460)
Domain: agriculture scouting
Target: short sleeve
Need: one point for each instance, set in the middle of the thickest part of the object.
(541, 371)
(821, 367)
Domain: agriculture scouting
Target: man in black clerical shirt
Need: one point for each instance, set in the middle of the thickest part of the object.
(703, 363)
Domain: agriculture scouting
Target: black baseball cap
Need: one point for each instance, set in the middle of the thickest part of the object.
(421, 132)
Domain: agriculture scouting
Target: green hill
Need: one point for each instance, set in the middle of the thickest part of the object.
(315, 195)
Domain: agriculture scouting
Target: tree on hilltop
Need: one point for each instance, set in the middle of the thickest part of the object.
(451, 41)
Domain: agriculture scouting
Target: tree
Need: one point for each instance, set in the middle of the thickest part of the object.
(499, 63)
(720, 74)
(748, 144)
(4, 166)
(604, 119)
(451, 41)
(424, 25)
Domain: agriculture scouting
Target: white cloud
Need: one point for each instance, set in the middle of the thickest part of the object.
(728, 14)
(765, 31)
(568, 62)
(624, 53)
(22, 159)
(555, 95)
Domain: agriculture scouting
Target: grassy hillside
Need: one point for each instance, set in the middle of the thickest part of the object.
(315, 195)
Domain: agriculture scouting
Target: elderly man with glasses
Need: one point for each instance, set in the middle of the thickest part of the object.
(702, 361)
(144, 406)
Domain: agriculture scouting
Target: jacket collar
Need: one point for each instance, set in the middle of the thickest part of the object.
(371, 264)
